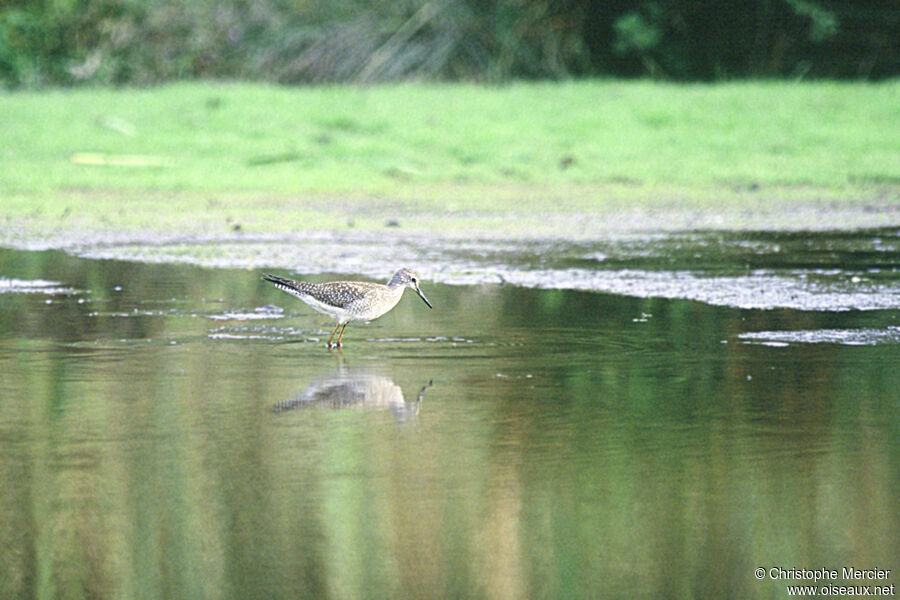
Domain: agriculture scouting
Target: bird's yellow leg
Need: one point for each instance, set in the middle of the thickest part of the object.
(334, 332)
(340, 337)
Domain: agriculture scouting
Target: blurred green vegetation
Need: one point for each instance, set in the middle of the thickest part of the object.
(103, 157)
(66, 42)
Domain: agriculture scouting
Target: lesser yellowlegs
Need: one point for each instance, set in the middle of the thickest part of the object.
(347, 301)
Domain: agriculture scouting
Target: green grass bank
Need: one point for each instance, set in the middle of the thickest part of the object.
(197, 155)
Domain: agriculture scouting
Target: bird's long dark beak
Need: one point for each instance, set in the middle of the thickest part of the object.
(422, 296)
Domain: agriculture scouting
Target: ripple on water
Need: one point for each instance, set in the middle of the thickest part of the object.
(258, 332)
(846, 337)
(260, 312)
(34, 286)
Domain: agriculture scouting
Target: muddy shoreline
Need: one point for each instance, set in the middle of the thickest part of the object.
(812, 258)
(69, 233)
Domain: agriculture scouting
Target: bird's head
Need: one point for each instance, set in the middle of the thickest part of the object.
(409, 279)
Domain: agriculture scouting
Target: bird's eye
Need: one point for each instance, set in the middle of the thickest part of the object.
(413, 279)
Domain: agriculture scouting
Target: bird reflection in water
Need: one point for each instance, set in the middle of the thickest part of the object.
(350, 388)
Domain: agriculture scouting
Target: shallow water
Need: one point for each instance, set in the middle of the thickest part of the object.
(180, 430)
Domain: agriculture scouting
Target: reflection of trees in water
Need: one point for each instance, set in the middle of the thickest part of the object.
(638, 453)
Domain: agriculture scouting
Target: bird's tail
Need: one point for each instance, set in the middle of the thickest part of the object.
(275, 278)
(281, 283)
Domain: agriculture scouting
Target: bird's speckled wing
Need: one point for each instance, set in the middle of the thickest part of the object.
(335, 293)
(341, 293)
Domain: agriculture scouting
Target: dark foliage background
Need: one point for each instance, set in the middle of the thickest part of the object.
(67, 42)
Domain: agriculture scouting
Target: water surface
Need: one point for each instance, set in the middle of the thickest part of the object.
(181, 431)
